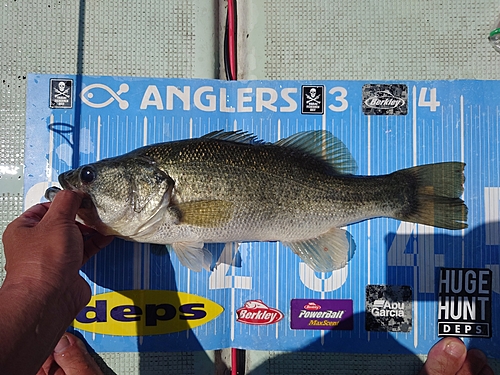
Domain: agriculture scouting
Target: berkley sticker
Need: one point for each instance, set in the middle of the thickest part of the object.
(145, 312)
(323, 314)
(380, 99)
(257, 312)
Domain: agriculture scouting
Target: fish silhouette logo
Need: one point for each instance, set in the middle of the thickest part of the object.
(92, 95)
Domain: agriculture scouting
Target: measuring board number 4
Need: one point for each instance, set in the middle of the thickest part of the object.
(432, 102)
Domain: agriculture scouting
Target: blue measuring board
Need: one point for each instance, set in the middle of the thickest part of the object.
(405, 284)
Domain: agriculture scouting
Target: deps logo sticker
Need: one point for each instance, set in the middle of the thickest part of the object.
(256, 312)
(145, 312)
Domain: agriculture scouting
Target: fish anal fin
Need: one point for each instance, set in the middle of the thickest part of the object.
(193, 255)
(328, 252)
(206, 214)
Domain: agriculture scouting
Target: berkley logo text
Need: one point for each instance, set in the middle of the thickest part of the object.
(312, 306)
(384, 100)
(257, 312)
(145, 312)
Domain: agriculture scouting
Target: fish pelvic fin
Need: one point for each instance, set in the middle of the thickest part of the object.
(193, 255)
(207, 214)
(436, 201)
(328, 252)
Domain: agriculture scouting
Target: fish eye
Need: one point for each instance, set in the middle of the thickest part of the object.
(87, 175)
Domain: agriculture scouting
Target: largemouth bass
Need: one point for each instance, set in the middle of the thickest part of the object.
(231, 187)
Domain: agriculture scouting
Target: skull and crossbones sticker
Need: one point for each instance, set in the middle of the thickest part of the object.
(312, 99)
(61, 93)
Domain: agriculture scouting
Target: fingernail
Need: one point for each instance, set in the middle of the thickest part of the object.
(455, 349)
(62, 344)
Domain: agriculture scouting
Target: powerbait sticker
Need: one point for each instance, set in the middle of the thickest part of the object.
(464, 302)
(388, 308)
(323, 314)
(379, 99)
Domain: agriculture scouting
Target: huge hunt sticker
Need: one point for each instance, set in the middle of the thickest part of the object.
(464, 302)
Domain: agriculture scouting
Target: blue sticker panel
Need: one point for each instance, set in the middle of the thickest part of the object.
(441, 121)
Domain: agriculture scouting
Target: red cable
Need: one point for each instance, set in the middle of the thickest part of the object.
(234, 361)
(231, 38)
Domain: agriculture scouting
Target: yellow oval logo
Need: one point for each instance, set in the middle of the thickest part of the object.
(145, 312)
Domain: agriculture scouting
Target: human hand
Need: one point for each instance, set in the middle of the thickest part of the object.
(449, 356)
(45, 248)
(70, 357)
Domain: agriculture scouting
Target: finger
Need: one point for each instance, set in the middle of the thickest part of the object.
(475, 363)
(27, 219)
(94, 243)
(32, 215)
(48, 367)
(65, 206)
(73, 358)
(446, 357)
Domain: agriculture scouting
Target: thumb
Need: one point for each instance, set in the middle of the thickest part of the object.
(73, 358)
(446, 357)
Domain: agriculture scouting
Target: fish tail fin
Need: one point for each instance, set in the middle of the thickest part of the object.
(436, 200)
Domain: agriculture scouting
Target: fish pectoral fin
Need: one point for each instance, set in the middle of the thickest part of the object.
(193, 255)
(328, 252)
(206, 214)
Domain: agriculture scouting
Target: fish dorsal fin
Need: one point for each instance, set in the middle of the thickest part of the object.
(238, 136)
(324, 145)
(328, 252)
(193, 255)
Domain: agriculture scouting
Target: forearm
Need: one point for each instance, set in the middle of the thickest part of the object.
(32, 319)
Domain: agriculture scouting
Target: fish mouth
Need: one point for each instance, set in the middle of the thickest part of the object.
(64, 181)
